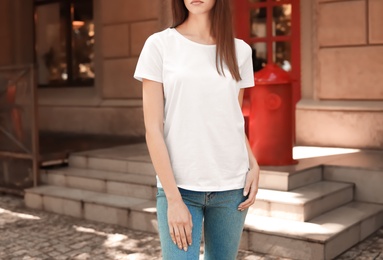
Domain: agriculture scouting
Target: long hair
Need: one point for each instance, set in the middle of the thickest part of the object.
(221, 29)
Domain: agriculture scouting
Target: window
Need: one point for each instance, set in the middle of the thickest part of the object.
(64, 42)
(272, 29)
(274, 32)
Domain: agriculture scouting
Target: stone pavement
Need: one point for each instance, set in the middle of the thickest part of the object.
(28, 234)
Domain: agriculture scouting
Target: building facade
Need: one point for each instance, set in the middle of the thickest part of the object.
(339, 56)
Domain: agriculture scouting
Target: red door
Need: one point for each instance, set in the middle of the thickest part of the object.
(272, 28)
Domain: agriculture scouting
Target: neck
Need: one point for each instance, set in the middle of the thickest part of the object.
(199, 25)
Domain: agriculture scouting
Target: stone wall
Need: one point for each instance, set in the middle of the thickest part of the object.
(113, 106)
(342, 79)
(126, 24)
(350, 57)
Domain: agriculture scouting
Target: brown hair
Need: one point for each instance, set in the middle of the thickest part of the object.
(222, 31)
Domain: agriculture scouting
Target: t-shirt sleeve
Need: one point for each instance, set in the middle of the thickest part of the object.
(149, 65)
(246, 70)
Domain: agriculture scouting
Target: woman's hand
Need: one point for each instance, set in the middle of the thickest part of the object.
(251, 187)
(180, 224)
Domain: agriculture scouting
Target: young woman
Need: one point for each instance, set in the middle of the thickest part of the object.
(193, 77)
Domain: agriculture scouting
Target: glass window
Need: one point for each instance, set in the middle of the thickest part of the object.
(258, 22)
(259, 55)
(282, 20)
(64, 38)
(282, 55)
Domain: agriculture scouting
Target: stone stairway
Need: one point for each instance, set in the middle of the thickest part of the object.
(298, 214)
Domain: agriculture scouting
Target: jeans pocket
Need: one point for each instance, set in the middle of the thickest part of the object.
(160, 192)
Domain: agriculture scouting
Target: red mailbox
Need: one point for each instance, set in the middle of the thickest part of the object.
(271, 117)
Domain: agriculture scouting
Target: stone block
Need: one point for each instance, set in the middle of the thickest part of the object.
(106, 214)
(118, 81)
(121, 121)
(117, 11)
(370, 225)
(342, 242)
(140, 32)
(53, 204)
(72, 208)
(305, 177)
(56, 179)
(33, 201)
(86, 184)
(368, 186)
(287, 211)
(143, 221)
(78, 161)
(107, 164)
(130, 190)
(44, 177)
(165, 14)
(351, 73)
(375, 21)
(355, 129)
(244, 244)
(115, 40)
(342, 23)
(260, 208)
(273, 181)
(141, 167)
(327, 203)
(284, 246)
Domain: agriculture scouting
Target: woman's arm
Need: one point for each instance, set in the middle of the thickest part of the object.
(179, 217)
(252, 177)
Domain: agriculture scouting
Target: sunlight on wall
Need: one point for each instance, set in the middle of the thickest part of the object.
(303, 152)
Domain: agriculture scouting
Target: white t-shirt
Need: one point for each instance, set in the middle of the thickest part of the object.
(203, 121)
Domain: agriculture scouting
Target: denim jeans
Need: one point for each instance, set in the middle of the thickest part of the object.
(217, 213)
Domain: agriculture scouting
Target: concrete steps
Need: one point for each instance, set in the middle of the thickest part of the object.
(323, 237)
(304, 203)
(134, 213)
(304, 211)
(287, 178)
(134, 159)
(299, 204)
(127, 161)
(126, 184)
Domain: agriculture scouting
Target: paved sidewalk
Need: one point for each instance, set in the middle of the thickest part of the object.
(33, 234)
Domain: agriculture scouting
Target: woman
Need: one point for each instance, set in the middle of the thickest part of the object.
(193, 77)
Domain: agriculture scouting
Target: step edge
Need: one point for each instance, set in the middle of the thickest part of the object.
(289, 173)
(350, 186)
(87, 156)
(133, 207)
(59, 172)
(333, 193)
(315, 240)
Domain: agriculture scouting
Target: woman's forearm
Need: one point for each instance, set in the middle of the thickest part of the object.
(161, 162)
(252, 160)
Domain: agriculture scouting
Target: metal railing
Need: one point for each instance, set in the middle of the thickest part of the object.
(19, 138)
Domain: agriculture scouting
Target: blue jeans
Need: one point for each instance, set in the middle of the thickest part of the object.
(223, 224)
